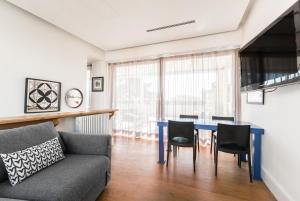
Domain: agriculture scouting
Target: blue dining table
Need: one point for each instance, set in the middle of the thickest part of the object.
(205, 124)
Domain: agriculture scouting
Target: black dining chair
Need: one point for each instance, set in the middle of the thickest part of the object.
(234, 139)
(181, 134)
(185, 116)
(213, 132)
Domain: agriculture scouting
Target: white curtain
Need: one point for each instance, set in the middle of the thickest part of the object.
(199, 84)
(135, 93)
(202, 84)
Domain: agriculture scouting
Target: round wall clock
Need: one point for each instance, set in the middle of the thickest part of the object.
(74, 98)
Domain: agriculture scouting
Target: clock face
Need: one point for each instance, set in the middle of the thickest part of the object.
(74, 98)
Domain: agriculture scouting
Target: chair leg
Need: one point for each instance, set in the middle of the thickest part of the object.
(198, 141)
(168, 152)
(239, 161)
(211, 141)
(194, 157)
(195, 151)
(175, 151)
(215, 145)
(216, 162)
(249, 165)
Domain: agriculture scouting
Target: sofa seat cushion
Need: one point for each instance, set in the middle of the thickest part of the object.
(68, 180)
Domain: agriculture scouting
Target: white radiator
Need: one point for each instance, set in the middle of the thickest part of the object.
(99, 124)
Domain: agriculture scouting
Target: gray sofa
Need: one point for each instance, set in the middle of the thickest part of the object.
(81, 176)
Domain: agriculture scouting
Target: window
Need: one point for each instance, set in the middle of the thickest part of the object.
(202, 84)
(136, 95)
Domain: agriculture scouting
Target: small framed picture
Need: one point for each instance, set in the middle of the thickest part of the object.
(97, 84)
(256, 97)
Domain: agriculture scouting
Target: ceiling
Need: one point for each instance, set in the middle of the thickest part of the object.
(117, 24)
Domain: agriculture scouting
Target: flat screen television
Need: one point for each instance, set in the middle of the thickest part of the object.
(272, 58)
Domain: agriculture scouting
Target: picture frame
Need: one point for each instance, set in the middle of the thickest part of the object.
(256, 97)
(97, 84)
(42, 96)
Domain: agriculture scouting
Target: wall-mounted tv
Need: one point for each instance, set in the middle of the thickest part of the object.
(272, 58)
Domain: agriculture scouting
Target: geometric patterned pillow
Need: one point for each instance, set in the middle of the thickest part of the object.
(24, 163)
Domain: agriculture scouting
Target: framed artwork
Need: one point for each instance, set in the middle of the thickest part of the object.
(97, 84)
(42, 96)
(256, 97)
(74, 98)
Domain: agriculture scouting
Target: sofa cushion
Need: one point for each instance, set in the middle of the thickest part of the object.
(16, 139)
(68, 180)
(24, 163)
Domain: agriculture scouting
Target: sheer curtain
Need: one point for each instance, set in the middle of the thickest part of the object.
(199, 84)
(202, 84)
(135, 92)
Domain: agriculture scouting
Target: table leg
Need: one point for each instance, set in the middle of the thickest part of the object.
(257, 157)
(161, 144)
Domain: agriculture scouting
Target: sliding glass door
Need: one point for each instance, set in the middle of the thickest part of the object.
(143, 91)
(199, 85)
(136, 95)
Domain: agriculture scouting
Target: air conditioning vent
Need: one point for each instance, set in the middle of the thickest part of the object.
(171, 26)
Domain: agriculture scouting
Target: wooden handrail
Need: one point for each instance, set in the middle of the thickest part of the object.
(27, 119)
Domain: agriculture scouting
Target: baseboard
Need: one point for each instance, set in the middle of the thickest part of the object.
(278, 191)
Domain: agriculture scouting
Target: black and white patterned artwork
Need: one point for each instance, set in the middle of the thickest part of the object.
(42, 96)
(24, 163)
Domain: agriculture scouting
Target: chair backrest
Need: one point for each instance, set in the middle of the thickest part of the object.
(181, 129)
(238, 134)
(222, 118)
(185, 116)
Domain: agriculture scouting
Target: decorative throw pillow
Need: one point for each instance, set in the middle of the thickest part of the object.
(24, 163)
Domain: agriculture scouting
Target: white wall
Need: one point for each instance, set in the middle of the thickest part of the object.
(279, 116)
(101, 99)
(30, 47)
(229, 40)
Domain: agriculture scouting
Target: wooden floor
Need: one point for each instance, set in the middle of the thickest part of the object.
(136, 176)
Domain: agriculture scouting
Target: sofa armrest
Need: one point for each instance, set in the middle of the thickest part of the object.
(87, 144)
